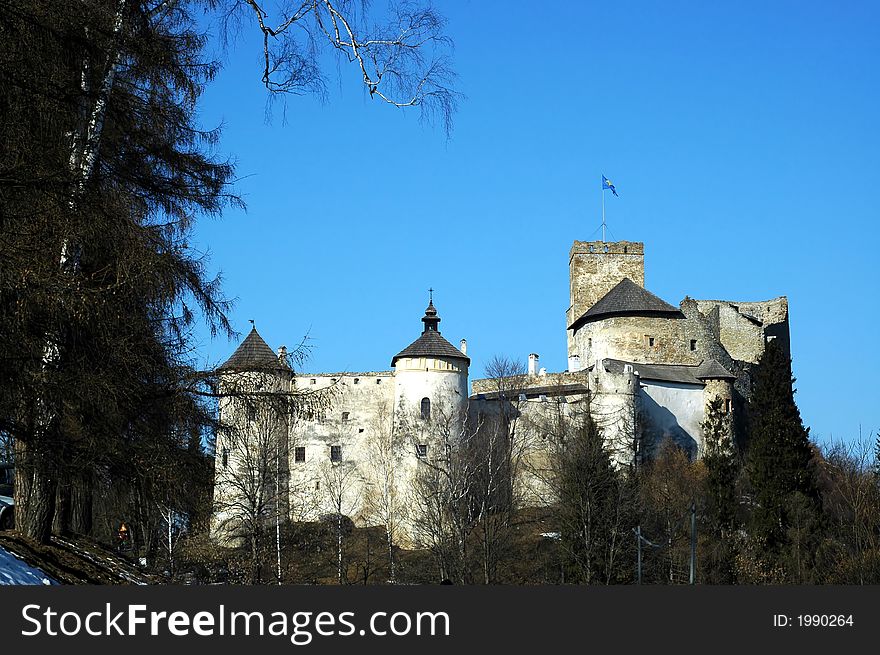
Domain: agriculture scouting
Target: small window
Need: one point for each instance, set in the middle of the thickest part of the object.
(727, 405)
(378, 380)
(225, 457)
(252, 414)
(426, 408)
(317, 485)
(299, 454)
(357, 380)
(360, 430)
(422, 450)
(693, 344)
(345, 416)
(543, 398)
(522, 398)
(590, 342)
(335, 453)
(312, 381)
(649, 341)
(625, 250)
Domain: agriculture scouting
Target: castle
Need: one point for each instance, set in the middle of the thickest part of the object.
(645, 369)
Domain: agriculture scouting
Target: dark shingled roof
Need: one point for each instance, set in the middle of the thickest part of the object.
(660, 372)
(430, 343)
(711, 369)
(252, 355)
(626, 298)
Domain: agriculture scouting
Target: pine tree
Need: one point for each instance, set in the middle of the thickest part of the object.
(779, 457)
(104, 174)
(594, 502)
(721, 512)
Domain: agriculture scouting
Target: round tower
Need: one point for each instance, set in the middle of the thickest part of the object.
(430, 376)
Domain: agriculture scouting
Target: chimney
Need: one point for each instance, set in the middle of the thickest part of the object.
(533, 364)
(463, 347)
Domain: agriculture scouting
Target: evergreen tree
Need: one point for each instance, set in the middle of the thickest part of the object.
(594, 509)
(104, 174)
(722, 471)
(779, 458)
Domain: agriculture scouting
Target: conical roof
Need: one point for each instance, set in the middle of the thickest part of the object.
(253, 354)
(711, 369)
(626, 298)
(430, 343)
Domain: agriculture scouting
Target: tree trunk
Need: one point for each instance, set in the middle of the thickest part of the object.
(35, 485)
(73, 504)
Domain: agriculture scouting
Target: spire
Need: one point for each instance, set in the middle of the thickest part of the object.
(430, 343)
(430, 319)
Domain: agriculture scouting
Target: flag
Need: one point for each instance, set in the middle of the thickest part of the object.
(606, 184)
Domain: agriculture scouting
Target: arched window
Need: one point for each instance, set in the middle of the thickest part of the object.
(426, 408)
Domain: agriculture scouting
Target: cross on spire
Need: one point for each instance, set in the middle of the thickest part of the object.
(431, 296)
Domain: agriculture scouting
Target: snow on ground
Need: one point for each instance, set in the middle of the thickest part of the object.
(16, 571)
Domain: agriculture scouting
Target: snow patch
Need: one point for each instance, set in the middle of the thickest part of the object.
(16, 571)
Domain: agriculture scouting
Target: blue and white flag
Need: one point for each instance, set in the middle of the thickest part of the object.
(607, 184)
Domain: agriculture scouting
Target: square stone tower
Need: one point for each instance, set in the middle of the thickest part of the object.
(595, 267)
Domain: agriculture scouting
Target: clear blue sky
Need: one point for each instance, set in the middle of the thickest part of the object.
(742, 137)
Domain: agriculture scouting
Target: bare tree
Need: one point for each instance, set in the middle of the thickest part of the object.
(341, 484)
(386, 501)
(496, 450)
(442, 519)
(851, 502)
(251, 492)
(402, 56)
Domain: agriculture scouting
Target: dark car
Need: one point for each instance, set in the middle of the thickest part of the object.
(7, 505)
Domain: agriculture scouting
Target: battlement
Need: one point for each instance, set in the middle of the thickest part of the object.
(606, 248)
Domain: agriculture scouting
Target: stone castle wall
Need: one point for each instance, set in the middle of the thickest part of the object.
(596, 266)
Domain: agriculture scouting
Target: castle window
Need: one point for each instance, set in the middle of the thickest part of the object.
(590, 343)
(345, 416)
(312, 381)
(543, 398)
(421, 450)
(378, 380)
(522, 398)
(360, 430)
(317, 485)
(299, 454)
(252, 414)
(591, 248)
(335, 453)
(693, 344)
(426, 408)
(606, 249)
(357, 380)
(649, 341)
(624, 250)
(727, 405)
(225, 457)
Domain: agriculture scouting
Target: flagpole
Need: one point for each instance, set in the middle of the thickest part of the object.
(603, 213)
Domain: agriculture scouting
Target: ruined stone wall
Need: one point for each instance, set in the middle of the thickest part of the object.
(489, 385)
(744, 327)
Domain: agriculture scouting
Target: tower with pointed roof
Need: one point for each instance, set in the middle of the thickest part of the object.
(430, 374)
(253, 385)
